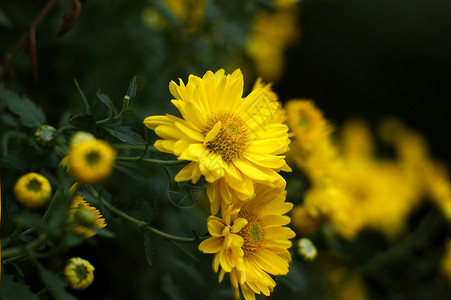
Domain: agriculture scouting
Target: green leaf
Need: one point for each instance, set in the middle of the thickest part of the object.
(107, 101)
(29, 114)
(132, 88)
(55, 284)
(87, 108)
(83, 122)
(125, 134)
(148, 247)
(12, 290)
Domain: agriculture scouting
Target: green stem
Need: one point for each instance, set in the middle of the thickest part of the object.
(19, 252)
(151, 161)
(141, 224)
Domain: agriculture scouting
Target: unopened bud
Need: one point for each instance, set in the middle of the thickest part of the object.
(306, 249)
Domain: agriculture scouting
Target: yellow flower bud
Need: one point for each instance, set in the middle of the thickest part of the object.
(79, 273)
(32, 190)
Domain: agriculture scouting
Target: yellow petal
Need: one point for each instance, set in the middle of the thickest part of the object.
(211, 135)
(211, 245)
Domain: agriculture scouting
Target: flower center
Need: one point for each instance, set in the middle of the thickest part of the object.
(81, 272)
(93, 158)
(34, 185)
(227, 135)
(253, 233)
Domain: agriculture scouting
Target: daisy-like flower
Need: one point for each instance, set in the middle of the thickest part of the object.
(86, 216)
(90, 160)
(307, 123)
(32, 190)
(230, 140)
(251, 242)
(79, 273)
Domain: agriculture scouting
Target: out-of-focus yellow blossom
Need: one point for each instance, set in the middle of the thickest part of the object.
(272, 32)
(251, 242)
(231, 141)
(351, 188)
(189, 12)
(86, 217)
(32, 190)
(343, 286)
(303, 222)
(90, 160)
(307, 123)
(79, 273)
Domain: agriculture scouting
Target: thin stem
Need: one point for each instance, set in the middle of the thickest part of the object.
(141, 224)
(26, 36)
(18, 252)
(151, 161)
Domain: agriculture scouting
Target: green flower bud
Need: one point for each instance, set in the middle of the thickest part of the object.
(306, 249)
(45, 136)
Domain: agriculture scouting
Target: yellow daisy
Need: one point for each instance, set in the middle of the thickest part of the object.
(250, 242)
(307, 123)
(79, 273)
(32, 190)
(91, 160)
(231, 140)
(86, 216)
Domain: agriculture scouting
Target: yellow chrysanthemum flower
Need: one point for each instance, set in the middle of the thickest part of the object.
(32, 190)
(79, 273)
(91, 160)
(231, 140)
(251, 242)
(85, 216)
(271, 34)
(280, 114)
(307, 123)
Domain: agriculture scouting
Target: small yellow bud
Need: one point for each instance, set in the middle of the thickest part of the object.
(79, 273)
(32, 190)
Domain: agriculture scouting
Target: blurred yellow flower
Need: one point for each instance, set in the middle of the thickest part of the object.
(79, 273)
(251, 242)
(85, 216)
(343, 286)
(231, 140)
(272, 32)
(303, 222)
(32, 190)
(90, 160)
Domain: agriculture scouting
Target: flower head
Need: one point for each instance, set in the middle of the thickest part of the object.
(79, 273)
(251, 242)
(32, 190)
(90, 160)
(230, 140)
(85, 216)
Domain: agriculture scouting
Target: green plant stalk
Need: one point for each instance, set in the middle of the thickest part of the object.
(19, 252)
(142, 224)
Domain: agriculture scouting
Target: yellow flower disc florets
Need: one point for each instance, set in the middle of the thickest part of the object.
(253, 233)
(229, 135)
(32, 190)
(91, 160)
(79, 273)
